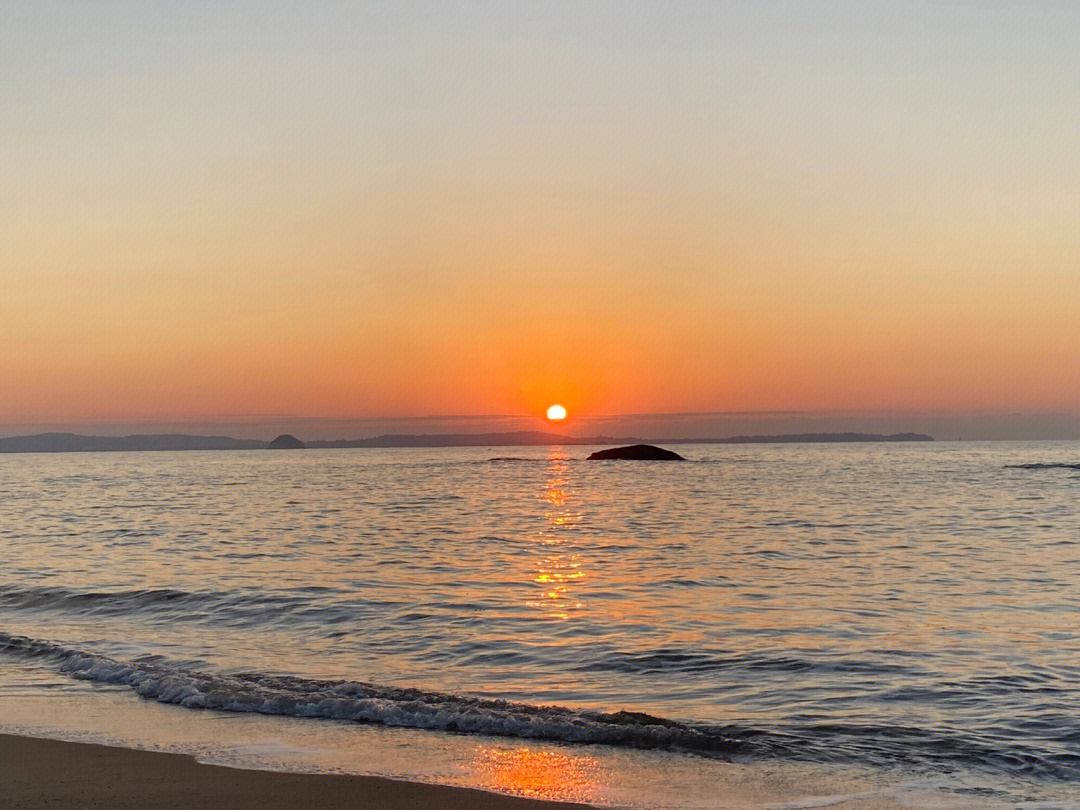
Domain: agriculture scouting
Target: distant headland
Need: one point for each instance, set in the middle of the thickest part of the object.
(75, 443)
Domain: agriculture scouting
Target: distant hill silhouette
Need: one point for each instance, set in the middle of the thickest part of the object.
(75, 443)
(520, 438)
(538, 438)
(796, 438)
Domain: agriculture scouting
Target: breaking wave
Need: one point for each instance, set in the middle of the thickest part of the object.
(368, 703)
(354, 701)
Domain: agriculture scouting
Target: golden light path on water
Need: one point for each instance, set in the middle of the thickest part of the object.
(558, 569)
(548, 774)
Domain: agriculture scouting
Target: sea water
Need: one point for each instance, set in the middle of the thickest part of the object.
(763, 625)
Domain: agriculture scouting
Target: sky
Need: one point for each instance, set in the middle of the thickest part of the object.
(219, 212)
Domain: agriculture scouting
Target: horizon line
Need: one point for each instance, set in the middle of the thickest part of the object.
(247, 419)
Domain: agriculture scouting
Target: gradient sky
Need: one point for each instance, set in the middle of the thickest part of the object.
(213, 210)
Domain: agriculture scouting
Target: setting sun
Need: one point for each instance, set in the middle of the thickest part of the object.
(556, 413)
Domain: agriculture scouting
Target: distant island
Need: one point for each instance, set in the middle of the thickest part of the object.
(286, 441)
(635, 452)
(75, 443)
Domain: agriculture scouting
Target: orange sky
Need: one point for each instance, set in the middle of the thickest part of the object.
(629, 209)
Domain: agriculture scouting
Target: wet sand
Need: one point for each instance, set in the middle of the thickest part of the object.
(38, 773)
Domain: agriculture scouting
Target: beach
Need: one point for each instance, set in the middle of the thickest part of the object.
(40, 773)
(81, 776)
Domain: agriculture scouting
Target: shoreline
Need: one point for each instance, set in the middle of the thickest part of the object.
(41, 772)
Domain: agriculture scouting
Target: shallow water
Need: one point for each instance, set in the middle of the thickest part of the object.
(910, 612)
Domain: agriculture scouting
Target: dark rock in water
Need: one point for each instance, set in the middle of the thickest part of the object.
(286, 441)
(636, 452)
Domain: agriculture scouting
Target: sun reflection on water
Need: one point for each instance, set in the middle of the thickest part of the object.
(559, 568)
(548, 775)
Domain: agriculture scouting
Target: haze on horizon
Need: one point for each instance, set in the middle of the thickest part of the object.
(360, 211)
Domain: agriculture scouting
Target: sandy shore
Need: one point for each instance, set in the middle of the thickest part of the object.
(46, 773)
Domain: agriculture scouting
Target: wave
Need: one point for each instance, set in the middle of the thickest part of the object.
(18, 596)
(937, 749)
(1044, 465)
(689, 661)
(299, 606)
(360, 702)
(169, 603)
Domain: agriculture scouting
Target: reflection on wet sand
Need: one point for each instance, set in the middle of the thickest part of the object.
(558, 568)
(551, 775)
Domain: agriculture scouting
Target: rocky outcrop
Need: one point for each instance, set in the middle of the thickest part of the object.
(286, 441)
(636, 452)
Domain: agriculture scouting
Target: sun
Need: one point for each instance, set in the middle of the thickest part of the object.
(556, 413)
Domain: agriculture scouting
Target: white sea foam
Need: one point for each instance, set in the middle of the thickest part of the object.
(365, 703)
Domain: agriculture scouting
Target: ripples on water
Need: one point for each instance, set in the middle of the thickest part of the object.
(878, 604)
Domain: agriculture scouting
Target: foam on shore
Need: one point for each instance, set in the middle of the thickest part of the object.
(368, 703)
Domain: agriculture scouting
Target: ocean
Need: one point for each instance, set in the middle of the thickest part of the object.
(764, 625)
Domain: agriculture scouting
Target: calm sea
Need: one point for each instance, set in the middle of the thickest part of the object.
(786, 621)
